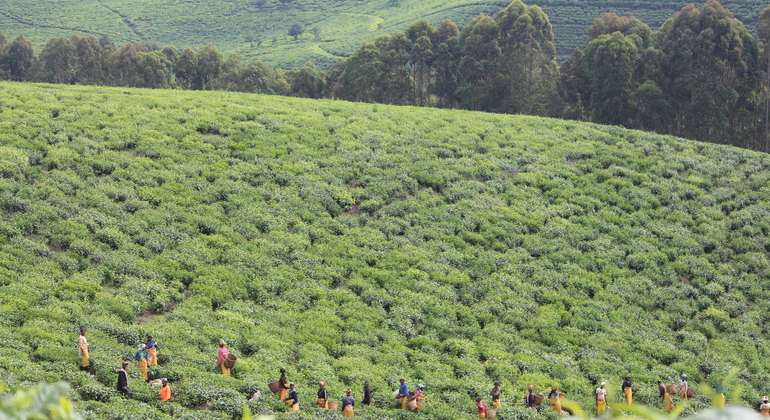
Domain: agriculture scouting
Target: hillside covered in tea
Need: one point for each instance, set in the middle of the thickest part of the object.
(325, 30)
(357, 242)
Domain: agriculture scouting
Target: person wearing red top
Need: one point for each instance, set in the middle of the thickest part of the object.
(482, 408)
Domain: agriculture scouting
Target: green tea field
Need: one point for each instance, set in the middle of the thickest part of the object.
(356, 242)
(329, 29)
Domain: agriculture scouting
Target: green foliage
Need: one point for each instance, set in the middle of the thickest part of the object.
(345, 244)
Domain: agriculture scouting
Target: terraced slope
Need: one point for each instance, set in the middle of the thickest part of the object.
(257, 29)
(352, 242)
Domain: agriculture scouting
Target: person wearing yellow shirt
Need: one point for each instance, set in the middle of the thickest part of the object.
(83, 350)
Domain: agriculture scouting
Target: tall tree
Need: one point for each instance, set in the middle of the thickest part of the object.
(209, 65)
(575, 88)
(89, 65)
(20, 59)
(445, 64)
(479, 64)
(528, 58)
(363, 78)
(422, 35)
(763, 30)
(58, 60)
(154, 70)
(609, 62)
(123, 65)
(307, 82)
(709, 74)
(186, 69)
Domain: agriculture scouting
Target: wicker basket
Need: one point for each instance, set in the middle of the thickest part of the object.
(230, 360)
(275, 387)
(539, 398)
(690, 392)
(332, 405)
(490, 413)
(671, 389)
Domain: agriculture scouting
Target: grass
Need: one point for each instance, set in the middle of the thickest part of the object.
(351, 242)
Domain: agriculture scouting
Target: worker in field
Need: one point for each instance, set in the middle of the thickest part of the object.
(323, 396)
(283, 393)
(764, 407)
(221, 359)
(347, 404)
(554, 400)
(85, 360)
(152, 350)
(123, 380)
(141, 359)
(529, 401)
(601, 399)
(165, 390)
(719, 398)
(481, 407)
(366, 398)
(495, 394)
(628, 390)
(668, 403)
(403, 392)
(293, 399)
(419, 397)
(683, 386)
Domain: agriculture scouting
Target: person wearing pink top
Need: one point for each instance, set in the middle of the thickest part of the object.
(221, 361)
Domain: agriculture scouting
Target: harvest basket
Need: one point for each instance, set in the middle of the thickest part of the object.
(690, 392)
(275, 387)
(539, 398)
(411, 404)
(332, 405)
(230, 360)
(490, 413)
(671, 389)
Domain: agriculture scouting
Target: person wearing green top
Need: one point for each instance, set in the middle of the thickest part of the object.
(719, 399)
(141, 358)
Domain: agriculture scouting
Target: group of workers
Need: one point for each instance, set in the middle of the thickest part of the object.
(532, 400)
(145, 356)
(414, 401)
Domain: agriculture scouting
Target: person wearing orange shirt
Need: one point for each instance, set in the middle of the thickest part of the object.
(165, 390)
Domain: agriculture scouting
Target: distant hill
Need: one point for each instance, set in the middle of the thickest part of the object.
(351, 242)
(259, 28)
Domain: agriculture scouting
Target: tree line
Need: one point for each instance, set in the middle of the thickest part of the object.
(701, 75)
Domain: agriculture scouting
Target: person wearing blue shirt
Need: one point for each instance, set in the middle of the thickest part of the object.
(403, 392)
(152, 351)
(293, 399)
(347, 404)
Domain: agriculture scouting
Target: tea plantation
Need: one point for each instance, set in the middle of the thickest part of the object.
(357, 242)
(330, 29)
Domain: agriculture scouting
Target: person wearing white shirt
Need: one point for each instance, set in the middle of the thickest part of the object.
(601, 399)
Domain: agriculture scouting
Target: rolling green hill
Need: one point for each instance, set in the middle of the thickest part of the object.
(357, 242)
(259, 29)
